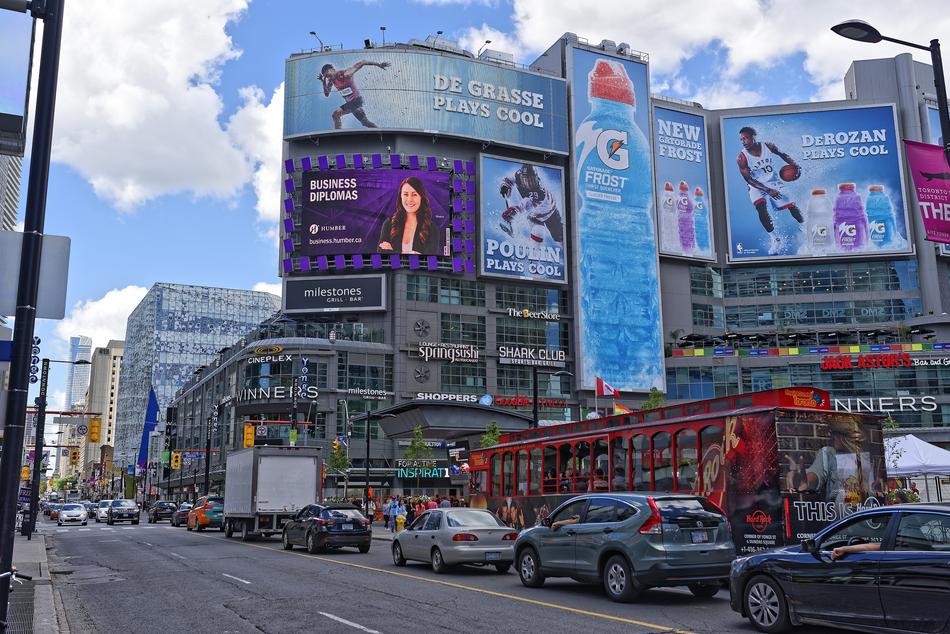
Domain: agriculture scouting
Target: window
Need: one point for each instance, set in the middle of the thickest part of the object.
(532, 333)
(709, 436)
(640, 454)
(533, 298)
(601, 510)
(534, 485)
(574, 509)
(923, 531)
(619, 478)
(495, 474)
(550, 469)
(419, 522)
(463, 378)
(865, 530)
(463, 329)
(521, 473)
(432, 524)
(582, 471)
(662, 463)
(687, 462)
(566, 466)
(508, 482)
(427, 288)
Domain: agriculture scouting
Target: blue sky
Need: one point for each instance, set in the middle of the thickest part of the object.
(167, 143)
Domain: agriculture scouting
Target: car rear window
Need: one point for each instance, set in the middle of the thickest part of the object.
(104, 504)
(215, 500)
(458, 519)
(125, 504)
(352, 514)
(675, 507)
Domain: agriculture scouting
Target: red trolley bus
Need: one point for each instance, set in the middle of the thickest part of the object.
(780, 463)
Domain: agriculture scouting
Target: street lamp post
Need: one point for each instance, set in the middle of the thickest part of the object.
(369, 417)
(534, 390)
(212, 425)
(863, 32)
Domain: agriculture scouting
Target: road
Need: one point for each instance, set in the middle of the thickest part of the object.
(156, 578)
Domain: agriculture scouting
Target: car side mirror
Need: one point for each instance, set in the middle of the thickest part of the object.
(809, 546)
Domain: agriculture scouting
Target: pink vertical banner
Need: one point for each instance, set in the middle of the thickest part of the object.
(928, 166)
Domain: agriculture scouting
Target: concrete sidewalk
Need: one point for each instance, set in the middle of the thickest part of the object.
(29, 557)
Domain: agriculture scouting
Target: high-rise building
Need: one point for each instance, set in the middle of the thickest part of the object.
(80, 349)
(101, 400)
(174, 330)
(11, 169)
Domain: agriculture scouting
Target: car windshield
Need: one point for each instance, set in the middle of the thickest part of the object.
(184, 507)
(104, 504)
(215, 500)
(72, 507)
(124, 504)
(472, 519)
(352, 514)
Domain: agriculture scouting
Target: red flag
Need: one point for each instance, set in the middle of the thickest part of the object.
(604, 389)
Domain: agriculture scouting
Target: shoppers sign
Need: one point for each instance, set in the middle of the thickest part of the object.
(334, 293)
(928, 168)
(451, 352)
(427, 92)
(618, 289)
(682, 184)
(814, 184)
(523, 230)
(519, 355)
(353, 211)
(450, 398)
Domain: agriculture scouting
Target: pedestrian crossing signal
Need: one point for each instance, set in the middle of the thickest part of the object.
(176, 460)
(249, 433)
(95, 427)
(73, 457)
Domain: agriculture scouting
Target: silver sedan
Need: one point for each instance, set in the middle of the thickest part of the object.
(445, 537)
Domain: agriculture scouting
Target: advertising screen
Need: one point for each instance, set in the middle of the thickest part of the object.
(522, 220)
(814, 184)
(682, 184)
(353, 211)
(404, 90)
(618, 288)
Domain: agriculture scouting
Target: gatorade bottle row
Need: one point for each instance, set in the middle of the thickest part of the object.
(851, 225)
(686, 219)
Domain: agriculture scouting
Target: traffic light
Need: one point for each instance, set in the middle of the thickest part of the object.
(25, 474)
(95, 425)
(248, 436)
(176, 460)
(336, 444)
(73, 456)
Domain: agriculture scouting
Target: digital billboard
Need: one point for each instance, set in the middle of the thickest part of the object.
(814, 184)
(522, 220)
(618, 288)
(682, 184)
(357, 211)
(405, 90)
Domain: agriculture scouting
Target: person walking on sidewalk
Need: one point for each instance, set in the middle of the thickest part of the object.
(400, 511)
(386, 505)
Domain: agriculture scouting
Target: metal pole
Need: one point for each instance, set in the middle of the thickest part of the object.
(366, 471)
(207, 458)
(27, 287)
(29, 528)
(534, 389)
(941, 89)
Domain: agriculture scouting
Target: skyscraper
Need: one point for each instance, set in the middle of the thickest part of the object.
(11, 168)
(101, 400)
(80, 349)
(174, 330)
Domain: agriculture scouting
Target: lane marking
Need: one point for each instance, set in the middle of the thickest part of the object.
(84, 529)
(459, 586)
(235, 578)
(62, 530)
(147, 544)
(176, 555)
(106, 541)
(350, 623)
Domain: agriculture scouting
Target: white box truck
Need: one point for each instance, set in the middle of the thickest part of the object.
(266, 486)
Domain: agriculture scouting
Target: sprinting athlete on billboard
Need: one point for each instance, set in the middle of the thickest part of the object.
(538, 204)
(345, 84)
(761, 171)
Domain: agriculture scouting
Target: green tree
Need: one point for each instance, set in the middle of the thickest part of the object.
(418, 449)
(339, 461)
(653, 401)
(490, 437)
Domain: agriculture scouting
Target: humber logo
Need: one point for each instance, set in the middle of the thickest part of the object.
(314, 229)
(268, 349)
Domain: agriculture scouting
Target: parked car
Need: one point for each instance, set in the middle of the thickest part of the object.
(883, 569)
(72, 514)
(630, 542)
(180, 517)
(161, 510)
(90, 509)
(102, 511)
(54, 511)
(208, 512)
(122, 511)
(445, 537)
(323, 526)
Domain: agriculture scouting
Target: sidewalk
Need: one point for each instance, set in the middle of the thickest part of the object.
(382, 534)
(31, 604)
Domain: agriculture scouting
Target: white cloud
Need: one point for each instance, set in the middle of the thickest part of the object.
(102, 319)
(726, 95)
(474, 38)
(274, 288)
(56, 401)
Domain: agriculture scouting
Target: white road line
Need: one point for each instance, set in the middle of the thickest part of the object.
(147, 544)
(350, 623)
(235, 578)
(107, 528)
(84, 529)
(127, 528)
(62, 530)
(176, 555)
(106, 541)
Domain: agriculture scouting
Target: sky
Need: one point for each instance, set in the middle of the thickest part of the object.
(166, 149)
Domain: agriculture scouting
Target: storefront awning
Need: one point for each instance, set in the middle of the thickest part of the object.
(446, 420)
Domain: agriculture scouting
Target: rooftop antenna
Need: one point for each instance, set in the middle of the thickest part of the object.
(383, 30)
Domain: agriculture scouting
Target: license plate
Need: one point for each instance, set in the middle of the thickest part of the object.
(700, 537)
(347, 527)
(492, 556)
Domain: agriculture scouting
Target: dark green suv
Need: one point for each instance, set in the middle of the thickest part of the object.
(630, 542)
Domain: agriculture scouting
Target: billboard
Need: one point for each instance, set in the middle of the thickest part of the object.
(819, 183)
(334, 293)
(682, 184)
(522, 220)
(356, 211)
(928, 170)
(16, 42)
(405, 90)
(618, 288)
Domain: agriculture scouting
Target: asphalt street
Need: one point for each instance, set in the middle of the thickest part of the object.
(156, 578)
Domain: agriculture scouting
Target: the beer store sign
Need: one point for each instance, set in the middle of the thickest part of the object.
(517, 355)
(885, 404)
(422, 469)
(527, 314)
(451, 352)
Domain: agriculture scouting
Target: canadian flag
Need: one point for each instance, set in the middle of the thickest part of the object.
(604, 389)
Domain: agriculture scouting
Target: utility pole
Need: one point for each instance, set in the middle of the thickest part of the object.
(28, 528)
(51, 12)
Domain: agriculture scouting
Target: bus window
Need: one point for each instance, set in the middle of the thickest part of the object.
(566, 465)
(534, 482)
(495, 474)
(550, 469)
(640, 453)
(712, 461)
(583, 471)
(601, 459)
(521, 473)
(508, 467)
(687, 465)
(619, 479)
(662, 464)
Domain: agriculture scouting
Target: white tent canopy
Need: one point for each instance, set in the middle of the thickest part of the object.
(910, 456)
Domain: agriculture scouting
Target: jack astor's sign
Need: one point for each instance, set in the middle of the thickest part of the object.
(517, 355)
(451, 352)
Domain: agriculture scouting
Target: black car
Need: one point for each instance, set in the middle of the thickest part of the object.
(161, 510)
(122, 511)
(879, 570)
(322, 526)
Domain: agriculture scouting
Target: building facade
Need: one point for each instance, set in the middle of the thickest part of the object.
(11, 168)
(101, 402)
(174, 330)
(77, 381)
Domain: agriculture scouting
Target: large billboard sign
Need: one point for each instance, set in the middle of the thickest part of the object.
(522, 220)
(329, 294)
(354, 211)
(16, 41)
(618, 288)
(682, 184)
(438, 94)
(821, 183)
(928, 169)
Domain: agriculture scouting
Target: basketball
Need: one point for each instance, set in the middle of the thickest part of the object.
(789, 173)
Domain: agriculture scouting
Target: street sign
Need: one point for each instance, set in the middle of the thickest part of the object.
(81, 430)
(6, 351)
(65, 453)
(262, 431)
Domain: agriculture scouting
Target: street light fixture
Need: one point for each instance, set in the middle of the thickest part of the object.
(534, 387)
(479, 53)
(861, 31)
(369, 417)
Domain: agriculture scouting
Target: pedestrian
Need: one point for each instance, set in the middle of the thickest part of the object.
(371, 510)
(445, 503)
(400, 511)
(386, 505)
(432, 504)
